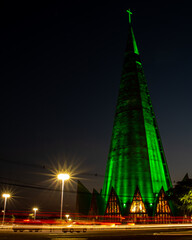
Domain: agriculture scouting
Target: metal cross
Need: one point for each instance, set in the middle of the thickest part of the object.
(129, 11)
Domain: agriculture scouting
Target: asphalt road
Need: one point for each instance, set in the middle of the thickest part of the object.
(100, 235)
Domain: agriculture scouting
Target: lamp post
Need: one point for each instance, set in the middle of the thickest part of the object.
(35, 210)
(63, 177)
(5, 195)
(67, 216)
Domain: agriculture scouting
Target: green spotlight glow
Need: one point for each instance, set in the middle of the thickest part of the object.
(136, 156)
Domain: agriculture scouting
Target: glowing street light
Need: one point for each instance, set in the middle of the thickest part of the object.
(35, 210)
(63, 177)
(67, 216)
(5, 195)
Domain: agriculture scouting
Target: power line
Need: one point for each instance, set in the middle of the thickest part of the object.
(34, 187)
(57, 190)
(22, 163)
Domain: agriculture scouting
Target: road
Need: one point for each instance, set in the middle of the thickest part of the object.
(136, 233)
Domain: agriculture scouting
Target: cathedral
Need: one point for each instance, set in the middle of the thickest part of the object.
(137, 175)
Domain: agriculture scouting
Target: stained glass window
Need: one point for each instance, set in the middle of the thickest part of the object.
(162, 204)
(113, 208)
(163, 210)
(137, 205)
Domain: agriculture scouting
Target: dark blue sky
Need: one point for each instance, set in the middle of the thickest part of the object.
(60, 71)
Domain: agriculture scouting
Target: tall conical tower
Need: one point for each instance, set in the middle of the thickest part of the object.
(136, 158)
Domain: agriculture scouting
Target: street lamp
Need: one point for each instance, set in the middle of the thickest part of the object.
(63, 177)
(35, 210)
(67, 216)
(5, 195)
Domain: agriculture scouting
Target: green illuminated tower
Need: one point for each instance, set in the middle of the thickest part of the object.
(136, 158)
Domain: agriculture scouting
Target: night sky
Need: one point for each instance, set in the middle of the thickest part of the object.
(60, 72)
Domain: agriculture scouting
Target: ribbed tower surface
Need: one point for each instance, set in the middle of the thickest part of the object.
(136, 157)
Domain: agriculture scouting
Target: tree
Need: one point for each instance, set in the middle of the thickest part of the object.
(186, 201)
(180, 197)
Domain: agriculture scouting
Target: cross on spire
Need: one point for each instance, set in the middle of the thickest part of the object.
(129, 11)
